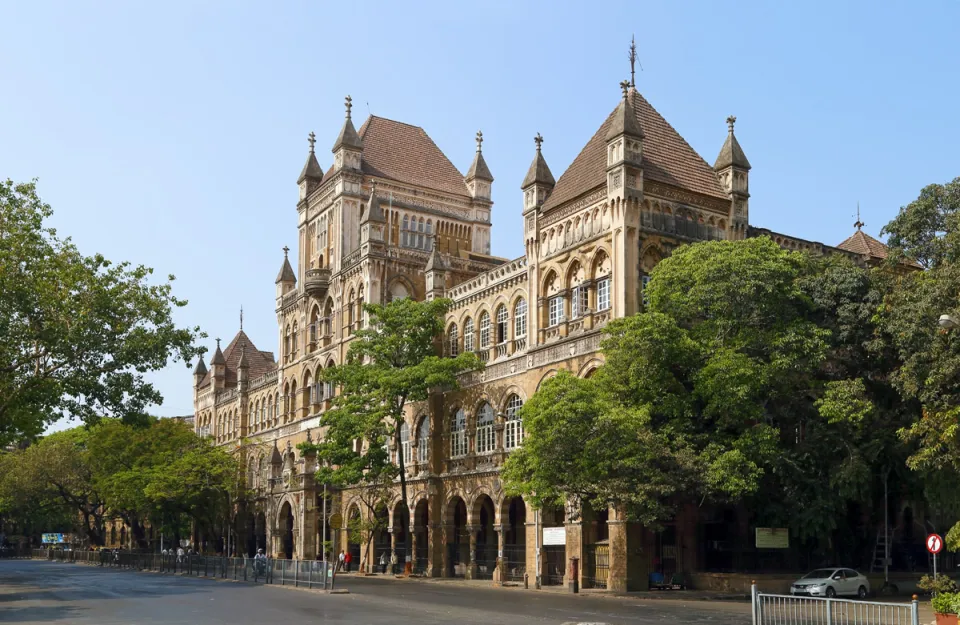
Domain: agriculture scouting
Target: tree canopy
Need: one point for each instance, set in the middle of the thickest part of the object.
(77, 333)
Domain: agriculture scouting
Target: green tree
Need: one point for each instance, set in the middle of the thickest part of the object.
(390, 364)
(77, 333)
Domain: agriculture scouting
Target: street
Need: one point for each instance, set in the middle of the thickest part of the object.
(33, 592)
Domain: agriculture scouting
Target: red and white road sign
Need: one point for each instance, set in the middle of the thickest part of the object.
(934, 543)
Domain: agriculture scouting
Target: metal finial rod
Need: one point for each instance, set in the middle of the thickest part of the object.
(241, 317)
(538, 140)
(285, 250)
(858, 224)
(633, 60)
(312, 140)
(731, 120)
(348, 102)
(625, 86)
(479, 139)
(218, 343)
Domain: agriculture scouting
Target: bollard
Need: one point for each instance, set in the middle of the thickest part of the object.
(574, 583)
(526, 580)
(915, 612)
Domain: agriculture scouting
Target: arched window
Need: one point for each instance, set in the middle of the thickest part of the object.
(276, 406)
(350, 308)
(420, 239)
(360, 307)
(484, 330)
(486, 436)
(458, 434)
(294, 346)
(501, 324)
(398, 291)
(405, 446)
(404, 240)
(468, 335)
(429, 232)
(286, 343)
(513, 430)
(423, 440)
(453, 345)
(520, 319)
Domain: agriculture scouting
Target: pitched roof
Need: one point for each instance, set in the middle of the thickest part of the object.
(348, 136)
(311, 169)
(405, 153)
(286, 271)
(479, 169)
(667, 158)
(258, 362)
(201, 368)
(862, 243)
(374, 212)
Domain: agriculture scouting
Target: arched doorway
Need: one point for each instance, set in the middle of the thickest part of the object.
(514, 519)
(381, 540)
(596, 551)
(354, 537)
(260, 531)
(422, 536)
(554, 556)
(458, 542)
(250, 532)
(286, 531)
(485, 559)
(401, 535)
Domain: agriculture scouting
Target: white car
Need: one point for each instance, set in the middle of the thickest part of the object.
(832, 582)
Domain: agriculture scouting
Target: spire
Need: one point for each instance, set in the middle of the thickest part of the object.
(286, 271)
(538, 172)
(218, 358)
(200, 369)
(374, 212)
(312, 168)
(242, 363)
(633, 60)
(731, 154)
(241, 317)
(348, 136)
(435, 262)
(479, 169)
(624, 120)
(859, 224)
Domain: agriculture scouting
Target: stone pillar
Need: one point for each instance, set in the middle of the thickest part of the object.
(617, 528)
(574, 547)
(531, 545)
(393, 546)
(498, 572)
(472, 570)
(445, 532)
(412, 550)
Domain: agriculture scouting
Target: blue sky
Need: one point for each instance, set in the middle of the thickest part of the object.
(172, 134)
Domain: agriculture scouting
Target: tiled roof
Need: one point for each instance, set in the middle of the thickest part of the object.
(862, 243)
(258, 362)
(667, 158)
(405, 153)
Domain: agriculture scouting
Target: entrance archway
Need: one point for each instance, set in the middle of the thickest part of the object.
(458, 542)
(422, 536)
(401, 535)
(260, 531)
(486, 555)
(354, 536)
(596, 551)
(381, 540)
(250, 532)
(514, 520)
(286, 531)
(554, 556)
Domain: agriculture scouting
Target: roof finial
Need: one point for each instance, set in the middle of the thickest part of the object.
(218, 343)
(349, 104)
(479, 139)
(311, 139)
(285, 250)
(859, 224)
(241, 317)
(633, 60)
(731, 120)
(538, 140)
(625, 85)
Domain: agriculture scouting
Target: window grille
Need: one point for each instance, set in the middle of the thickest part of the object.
(458, 435)
(502, 324)
(452, 340)
(468, 336)
(486, 436)
(520, 319)
(555, 311)
(513, 430)
(423, 440)
(603, 294)
(484, 331)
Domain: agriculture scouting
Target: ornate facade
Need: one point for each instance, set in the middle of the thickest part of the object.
(393, 217)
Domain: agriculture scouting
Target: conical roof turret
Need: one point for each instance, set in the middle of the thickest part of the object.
(348, 136)
(538, 172)
(731, 154)
(435, 261)
(218, 358)
(374, 211)
(311, 169)
(242, 363)
(286, 271)
(200, 369)
(478, 168)
(624, 121)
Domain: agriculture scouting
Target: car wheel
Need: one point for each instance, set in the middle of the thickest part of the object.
(862, 592)
(831, 593)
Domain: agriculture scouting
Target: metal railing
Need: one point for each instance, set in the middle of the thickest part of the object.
(793, 610)
(302, 573)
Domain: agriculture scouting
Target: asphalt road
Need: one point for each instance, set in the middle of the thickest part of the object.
(33, 592)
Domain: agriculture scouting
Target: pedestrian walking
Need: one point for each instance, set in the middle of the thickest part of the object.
(346, 561)
(179, 555)
(393, 562)
(383, 562)
(340, 561)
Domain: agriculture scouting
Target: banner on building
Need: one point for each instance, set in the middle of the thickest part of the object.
(554, 536)
(773, 538)
(52, 539)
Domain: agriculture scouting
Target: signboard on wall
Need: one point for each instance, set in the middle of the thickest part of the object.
(773, 538)
(52, 539)
(554, 536)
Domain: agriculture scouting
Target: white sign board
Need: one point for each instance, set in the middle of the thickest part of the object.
(554, 536)
(773, 538)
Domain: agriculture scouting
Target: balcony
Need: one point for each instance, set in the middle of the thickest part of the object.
(316, 282)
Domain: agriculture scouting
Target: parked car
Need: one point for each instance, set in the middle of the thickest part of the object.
(832, 582)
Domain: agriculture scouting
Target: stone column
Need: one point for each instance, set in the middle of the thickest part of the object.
(498, 572)
(617, 527)
(446, 530)
(393, 546)
(472, 570)
(530, 528)
(574, 547)
(412, 552)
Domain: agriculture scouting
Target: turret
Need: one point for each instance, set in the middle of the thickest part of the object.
(372, 222)
(539, 182)
(286, 279)
(733, 171)
(348, 146)
(219, 366)
(243, 368)
(199, 372)
(312, 173)
(436, 274)
(624, 149)
(478, 178)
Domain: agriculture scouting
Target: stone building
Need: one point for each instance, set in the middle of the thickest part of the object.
(393, 217)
